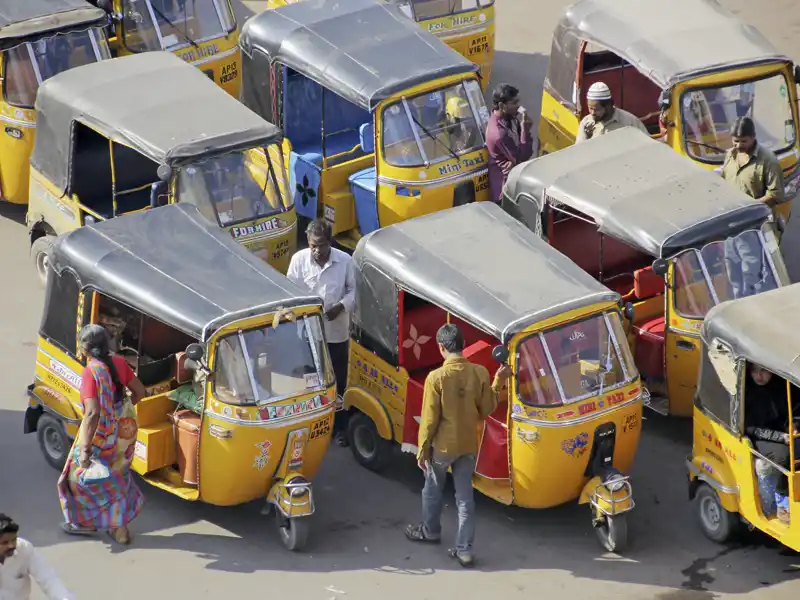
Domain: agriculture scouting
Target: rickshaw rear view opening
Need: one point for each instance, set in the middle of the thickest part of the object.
(568, 425)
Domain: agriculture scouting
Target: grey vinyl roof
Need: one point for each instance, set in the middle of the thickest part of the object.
(24, 19)
(638, 190)
(480, 264)
(761, 329)
(673, 41)
(363, 50)
(154, 102)
(173, 264)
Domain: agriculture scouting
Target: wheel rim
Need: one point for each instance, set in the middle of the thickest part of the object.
(364, 442)
(42, 262)
(710, 514)
(53, 443)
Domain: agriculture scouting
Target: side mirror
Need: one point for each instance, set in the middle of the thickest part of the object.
(89, 220)
(164, 172)
(500, 354)
(194, 352)
(664, 99)
(797, 74)
(627, 311)
(366, 137)
(661, 267)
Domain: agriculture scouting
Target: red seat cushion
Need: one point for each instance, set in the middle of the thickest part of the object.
(647, 284)
(650, 348)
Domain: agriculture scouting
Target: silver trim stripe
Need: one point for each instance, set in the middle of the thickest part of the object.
(435, 183)
(579, 420)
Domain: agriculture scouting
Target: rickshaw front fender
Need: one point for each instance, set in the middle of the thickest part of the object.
(605, 501)
(292, 496)
(362, 400)
(727, 491)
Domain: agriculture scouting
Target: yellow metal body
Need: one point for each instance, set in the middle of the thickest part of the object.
(558, 126)
(543, 471)
(272, 238)
(471, 33)
(723, 460)
(220, 58)
(244, 453)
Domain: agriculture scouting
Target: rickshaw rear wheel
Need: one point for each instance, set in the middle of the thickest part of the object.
(613, 532)
(718, 524)
(368, 447)
(40, 253)
(53, 441)
(293, 532)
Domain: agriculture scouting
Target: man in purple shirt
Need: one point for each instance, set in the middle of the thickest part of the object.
(508, 137)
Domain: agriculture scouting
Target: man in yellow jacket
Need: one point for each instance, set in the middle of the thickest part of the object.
(457, 397)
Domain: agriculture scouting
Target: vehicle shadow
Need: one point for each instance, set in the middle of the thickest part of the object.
(13, 212)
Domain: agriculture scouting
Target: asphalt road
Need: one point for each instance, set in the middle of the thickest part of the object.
(358, 551)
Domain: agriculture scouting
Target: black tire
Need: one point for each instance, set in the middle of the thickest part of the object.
(613, 533)
(53, 441)
(293, 532)
(369, 448)
(40, 254)
(718, 524)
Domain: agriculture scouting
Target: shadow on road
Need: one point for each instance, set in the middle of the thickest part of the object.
(13, 212)
(525, 71)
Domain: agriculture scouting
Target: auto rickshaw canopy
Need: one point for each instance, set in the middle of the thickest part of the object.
(322, 41)
(667, 44)
(454, 259)
(153, 102)
(762, 329)
(21, 20)
(639, 191)
(171, 263)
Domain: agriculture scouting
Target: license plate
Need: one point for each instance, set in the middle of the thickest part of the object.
(320, 428)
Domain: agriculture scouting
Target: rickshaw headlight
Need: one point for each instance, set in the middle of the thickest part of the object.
(615, 483)
(299, 486)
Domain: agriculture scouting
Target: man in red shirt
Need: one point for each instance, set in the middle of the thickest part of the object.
(508, 137)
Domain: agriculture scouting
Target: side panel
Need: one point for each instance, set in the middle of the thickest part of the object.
(558, 126)
(16, 146)
(681, 354)
(60, 213)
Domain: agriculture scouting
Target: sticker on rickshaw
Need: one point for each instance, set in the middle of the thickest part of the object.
(66, 373)
(262, 458)
(587, 408)
(630, 423)
(280, 412)
(247, 230)
(577, 446)
(297, 441)
(711, 439)
(564, 415)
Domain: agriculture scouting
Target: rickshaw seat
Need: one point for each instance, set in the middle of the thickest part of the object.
(647, 284)
(650, 347)
(364, 185)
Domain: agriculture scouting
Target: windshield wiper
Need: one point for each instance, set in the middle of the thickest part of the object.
(717, 148)
(430, 135)
(175, 27)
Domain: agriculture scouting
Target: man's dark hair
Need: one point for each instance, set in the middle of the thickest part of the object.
(504, 93)
(450, 337)
(743, 127)
(320, 228)
(7, 525)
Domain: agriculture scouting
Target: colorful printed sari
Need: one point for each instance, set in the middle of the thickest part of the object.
(114, 501)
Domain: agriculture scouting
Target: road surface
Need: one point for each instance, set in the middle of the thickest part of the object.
(358, 551)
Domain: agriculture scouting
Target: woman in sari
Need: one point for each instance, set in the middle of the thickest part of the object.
(96, 489)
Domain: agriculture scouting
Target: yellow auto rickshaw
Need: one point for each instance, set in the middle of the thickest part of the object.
(735, 477)
(240, 390)
(131, 133)
(672, 238)
(204, 33)
(380, 128)
(38, 38)
(467, 26)
(568, 426)
(687, 72)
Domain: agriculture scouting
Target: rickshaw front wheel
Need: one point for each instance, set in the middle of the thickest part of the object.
(369, 448)
(53, 441)
(293, 532)
(40, 252)
(718, 524)
(613, 532)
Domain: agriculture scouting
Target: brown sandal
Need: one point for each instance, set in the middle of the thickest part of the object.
(120, 535)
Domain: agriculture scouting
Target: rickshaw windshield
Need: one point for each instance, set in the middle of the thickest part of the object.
(236, 187)
(576, 361)
(430, 9)
(708, 115)
(170, 24)
(435, 126)
(268, 364)
(30, 64)
(733, 268)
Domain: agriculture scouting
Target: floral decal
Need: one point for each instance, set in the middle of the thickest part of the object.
(262, 458)
(305, 190)
(576, 446)
(415, 341)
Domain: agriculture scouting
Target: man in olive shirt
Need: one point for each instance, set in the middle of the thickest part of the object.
(751, 167)
(456, 399)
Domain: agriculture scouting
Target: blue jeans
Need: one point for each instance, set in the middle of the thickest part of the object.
(745, 266)
(432, 498)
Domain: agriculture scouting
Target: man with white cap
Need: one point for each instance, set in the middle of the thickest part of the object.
(603, 115)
